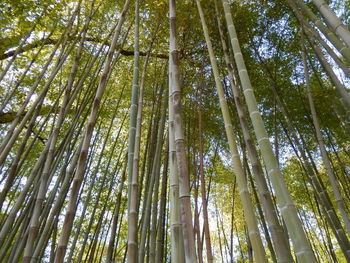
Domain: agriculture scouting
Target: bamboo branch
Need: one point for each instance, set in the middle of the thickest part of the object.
(52, 41)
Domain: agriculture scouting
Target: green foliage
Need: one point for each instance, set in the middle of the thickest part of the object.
(269, 35)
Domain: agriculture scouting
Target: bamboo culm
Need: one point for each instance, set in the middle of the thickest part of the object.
(301, 244)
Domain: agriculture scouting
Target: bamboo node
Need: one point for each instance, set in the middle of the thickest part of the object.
(253, 112)
(263, 138)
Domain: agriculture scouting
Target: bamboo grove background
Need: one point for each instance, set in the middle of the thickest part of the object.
(180, 131)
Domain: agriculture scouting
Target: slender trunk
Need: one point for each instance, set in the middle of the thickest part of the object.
(249, 214)
(313, 36)
(340, 46)
(162, 212)
(153, 228)
(322, 195)
(175, 103)
(278, 236)
(326, 161)
(99, 190)
(196, 227)
(208, 245)
(177, 245)
(218, 229)
(333, 21)
(111, 244)
(153, 179)
(13, 133)
(263, 221)
(296, 138)
(301, 244)
(312, 173)
(34, 225)
(79, 174)
(342, 92)
(133, 176)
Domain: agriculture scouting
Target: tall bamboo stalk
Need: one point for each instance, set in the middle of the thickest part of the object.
(34, 225)
(338, 198)
(154, 182)
(208, 244)
(297, 141)
(162, 210)
(175, 103)
(177, 244)
(333, 21)
(314, 36)
(277, 232)
(328, 33)
(133, 177)
(343, 94)
(249, 215)
(79, 174)
(301, 244)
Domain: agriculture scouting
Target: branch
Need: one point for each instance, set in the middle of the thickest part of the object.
(50, 41)
(7, 117)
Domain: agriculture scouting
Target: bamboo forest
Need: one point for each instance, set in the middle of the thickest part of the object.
(189, 131)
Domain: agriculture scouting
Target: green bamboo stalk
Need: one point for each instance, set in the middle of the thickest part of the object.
(331, 176)
(177, 245)
(314, 36)
(79, 174)
(208, 244)
(278, 234)
(298, 143)
(338, 44)
(333, 21)
(133, 177)
(160, 245)
(116, 216)
(154, 182)
(301, 244)
(249, 215)
(340, 88)
(184, 180)
(34, 224)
